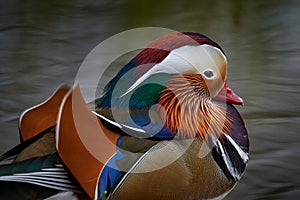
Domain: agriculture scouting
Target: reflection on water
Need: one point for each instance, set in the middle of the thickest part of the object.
(42, 44)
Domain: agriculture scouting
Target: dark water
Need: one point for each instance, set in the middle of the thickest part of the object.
(42, 44)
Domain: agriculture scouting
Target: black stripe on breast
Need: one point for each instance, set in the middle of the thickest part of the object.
(217, 155)
(228, 158)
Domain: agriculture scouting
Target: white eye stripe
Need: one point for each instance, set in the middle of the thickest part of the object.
(185, 59)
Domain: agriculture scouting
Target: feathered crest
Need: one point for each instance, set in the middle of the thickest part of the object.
(153, 54)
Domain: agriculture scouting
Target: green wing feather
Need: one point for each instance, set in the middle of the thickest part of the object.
(30, 165)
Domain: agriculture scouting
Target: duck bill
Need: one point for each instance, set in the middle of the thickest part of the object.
(227, 95)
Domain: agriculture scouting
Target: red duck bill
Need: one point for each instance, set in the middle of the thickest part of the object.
(227, 95)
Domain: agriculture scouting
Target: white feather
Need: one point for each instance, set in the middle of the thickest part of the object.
(241, 153)
(49, 177)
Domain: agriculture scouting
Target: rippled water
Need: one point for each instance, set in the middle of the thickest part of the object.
(42, 44)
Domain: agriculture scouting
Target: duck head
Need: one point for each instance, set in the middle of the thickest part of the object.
(184, 73)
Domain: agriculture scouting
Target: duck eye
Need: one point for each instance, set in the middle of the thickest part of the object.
(208, 73)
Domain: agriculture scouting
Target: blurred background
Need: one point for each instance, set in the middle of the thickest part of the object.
(42, 44)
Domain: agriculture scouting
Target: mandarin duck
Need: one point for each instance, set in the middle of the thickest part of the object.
(164, 128)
